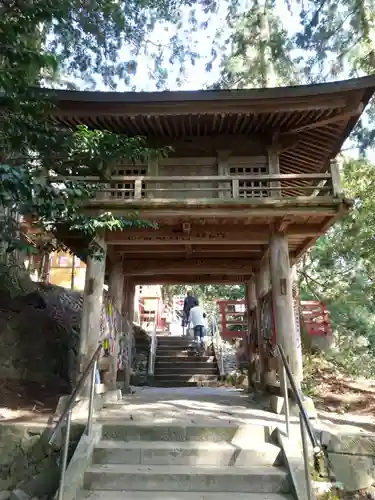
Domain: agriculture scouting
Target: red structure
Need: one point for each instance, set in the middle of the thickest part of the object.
(233, 320)
(315, 318)
(151, 313)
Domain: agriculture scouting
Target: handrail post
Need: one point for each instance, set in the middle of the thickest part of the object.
(91, 400)
(296, 394)
(151, 362)
(64, 459)
(305, 452)
(286, 400)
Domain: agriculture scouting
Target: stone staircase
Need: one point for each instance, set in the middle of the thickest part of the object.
(179, 363)
(191, 461)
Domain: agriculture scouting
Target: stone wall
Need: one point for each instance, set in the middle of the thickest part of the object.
(229, 353)
(27, 462)
(39, 329)
(39, 335)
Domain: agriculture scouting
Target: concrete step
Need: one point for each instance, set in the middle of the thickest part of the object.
(173, 338)
(177, 352)
(237, 434)
(184, 377)
(196, 369)
(193, 453)
(181, 383)
(173, 343)
(176, 495)
(166, 478)
(183, 359)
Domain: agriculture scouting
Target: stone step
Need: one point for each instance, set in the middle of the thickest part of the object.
(184, 377)
(191, 355)
(191, 368)
(176, 351)
(172, 338)
(186, 453)
(181, 383)
(167, 478)
(161, 358)
(185, 367)
(176, 495)
(174, 341)
(237, 434)
(174, 347)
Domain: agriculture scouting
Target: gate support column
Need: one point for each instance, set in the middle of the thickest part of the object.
(116, 293)
(128, 310)
(91, 310)
(267, 369)
(251, 304)
(283, 303)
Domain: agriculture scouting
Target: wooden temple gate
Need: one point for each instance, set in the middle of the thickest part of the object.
(251, 183)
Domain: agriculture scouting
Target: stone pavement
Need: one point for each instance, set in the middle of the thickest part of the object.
(190, 404)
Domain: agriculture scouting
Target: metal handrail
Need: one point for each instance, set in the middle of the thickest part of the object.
(151, 361)
(66, 415)
(305, 424)
(218, 341)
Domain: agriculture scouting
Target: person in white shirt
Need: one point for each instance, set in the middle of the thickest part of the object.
(197, 322)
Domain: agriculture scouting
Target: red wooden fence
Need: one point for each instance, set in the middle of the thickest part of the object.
(233, 318)
(234, 323)
(316, 318)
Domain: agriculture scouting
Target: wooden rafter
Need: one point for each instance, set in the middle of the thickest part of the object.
(347, 112)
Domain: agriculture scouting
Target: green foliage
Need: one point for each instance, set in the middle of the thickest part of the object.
(39, 41)
(42, 39)
(261, 51)
(339, 269)
(206, 294)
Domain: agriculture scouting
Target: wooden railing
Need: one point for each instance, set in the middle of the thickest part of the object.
(214, 187)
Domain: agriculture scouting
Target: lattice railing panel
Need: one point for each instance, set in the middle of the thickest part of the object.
(125, 189)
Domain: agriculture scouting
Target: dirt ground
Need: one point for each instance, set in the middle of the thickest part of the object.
(21, 400)
(336, 392)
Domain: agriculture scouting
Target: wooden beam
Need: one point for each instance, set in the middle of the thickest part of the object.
(191, 266)
(206, 235)
(206, 279)
(244, 106)
(180, 252)
(197, 210)
(309, 242)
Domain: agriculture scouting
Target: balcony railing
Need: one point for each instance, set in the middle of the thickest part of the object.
(235, 187)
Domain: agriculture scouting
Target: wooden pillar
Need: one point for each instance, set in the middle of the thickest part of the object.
(128, 311)
(223, 169)
(336, 179)
(283, 303)
(92, 309)
(263, 285)
(274, 168)
(153, 171)
(298, 340)
(116, 293)
(251, 302)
